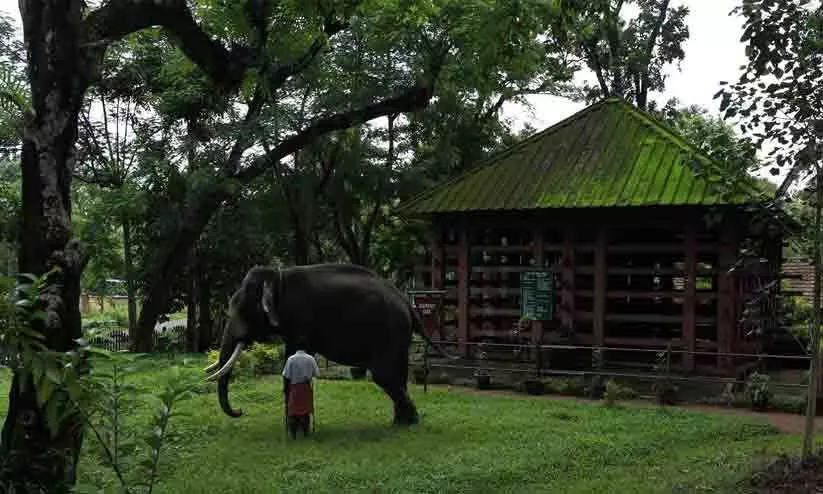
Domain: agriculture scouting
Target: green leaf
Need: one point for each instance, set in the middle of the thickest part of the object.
(54, 375)
(44, 391)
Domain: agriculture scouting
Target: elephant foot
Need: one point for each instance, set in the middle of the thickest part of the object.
(406, 416)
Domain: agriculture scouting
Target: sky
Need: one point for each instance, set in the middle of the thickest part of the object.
(714, 53)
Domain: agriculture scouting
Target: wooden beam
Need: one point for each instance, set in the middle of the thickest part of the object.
(726, 313)
(600, 279)
(539, 257)
(438, 268)
(688, 328)
(567, 292)
(463, 269)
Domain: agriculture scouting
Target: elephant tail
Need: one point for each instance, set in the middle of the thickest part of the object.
(417, 327)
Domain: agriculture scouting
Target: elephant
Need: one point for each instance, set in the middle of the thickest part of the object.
(345, 312)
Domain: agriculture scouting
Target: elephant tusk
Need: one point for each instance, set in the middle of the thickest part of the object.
(227, 367)
(212, 366)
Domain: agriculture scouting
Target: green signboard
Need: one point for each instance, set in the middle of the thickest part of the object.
(537, 295)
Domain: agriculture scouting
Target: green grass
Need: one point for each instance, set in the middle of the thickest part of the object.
(465, 443)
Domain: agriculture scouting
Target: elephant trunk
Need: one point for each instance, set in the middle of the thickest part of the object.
(229, 352)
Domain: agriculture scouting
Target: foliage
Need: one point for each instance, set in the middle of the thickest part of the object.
(492, 439)
(712, 135)
(778, 96)
(256, 360)
(629, 57)
(757, 391)
(117, 443)
(65, 388)
(615, 392)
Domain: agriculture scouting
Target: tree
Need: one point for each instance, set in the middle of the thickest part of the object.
(65, 44)
(778, 100)
(628, 57)
(712, 135)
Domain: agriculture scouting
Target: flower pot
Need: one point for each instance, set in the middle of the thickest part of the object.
(483, 381)
(534, 387)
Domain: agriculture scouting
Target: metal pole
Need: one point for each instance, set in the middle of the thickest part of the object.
(814, 331)
(425, 366)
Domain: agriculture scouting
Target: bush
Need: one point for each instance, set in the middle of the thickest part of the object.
(665, 392)
(615, 391)
(565, 386)
(268, 358)
(257, 360)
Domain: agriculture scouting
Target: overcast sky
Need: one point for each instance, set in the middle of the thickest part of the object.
(714, 53)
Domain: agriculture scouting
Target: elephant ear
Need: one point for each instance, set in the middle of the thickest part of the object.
(267, 301)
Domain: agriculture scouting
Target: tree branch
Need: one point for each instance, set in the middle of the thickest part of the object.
(119, 18)
(644, 75)
(410, 100)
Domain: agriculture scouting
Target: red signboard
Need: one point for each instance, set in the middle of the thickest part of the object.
(429, 307)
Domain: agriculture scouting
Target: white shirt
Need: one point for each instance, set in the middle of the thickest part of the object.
(300, 368)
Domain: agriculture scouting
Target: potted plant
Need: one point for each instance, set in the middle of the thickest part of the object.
(534, 386)
(481, 375)
(357, 372)
(757, 391)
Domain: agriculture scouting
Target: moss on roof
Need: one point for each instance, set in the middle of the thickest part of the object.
(609, 154)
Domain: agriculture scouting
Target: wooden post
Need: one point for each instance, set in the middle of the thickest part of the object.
(438, 272)
(726, 320)
(689, 330)
(567, 268)
(600, 280)
(463, 289)
(537, 326)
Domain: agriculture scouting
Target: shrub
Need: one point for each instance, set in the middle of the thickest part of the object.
(615, 391)
(596, 388)
(268, 358)
(565, 386)
(258, 359)
(665, 392)
(757, 391)
(358, 372)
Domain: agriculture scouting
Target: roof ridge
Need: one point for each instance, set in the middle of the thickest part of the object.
(504, 152)
(677, 139)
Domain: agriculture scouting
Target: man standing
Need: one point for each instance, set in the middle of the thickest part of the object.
(298, 372)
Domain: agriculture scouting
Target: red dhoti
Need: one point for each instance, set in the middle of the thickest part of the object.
(300, 399)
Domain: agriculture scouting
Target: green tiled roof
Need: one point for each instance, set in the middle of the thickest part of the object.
(609, 154)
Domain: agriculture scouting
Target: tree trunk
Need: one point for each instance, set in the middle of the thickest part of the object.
(131, 292)
(31, 457)
(174, 256)
(203, 328)
(191, 303)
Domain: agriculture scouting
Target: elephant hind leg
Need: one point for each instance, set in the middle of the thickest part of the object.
(393, 382)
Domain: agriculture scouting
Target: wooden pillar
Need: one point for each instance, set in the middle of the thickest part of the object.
(438, 271)
(600, 280)
(726, 291)
(463, 289)
(689, 328)
(538, 253)
(567, 269)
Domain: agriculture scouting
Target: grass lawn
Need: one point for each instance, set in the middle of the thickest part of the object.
(465, 443)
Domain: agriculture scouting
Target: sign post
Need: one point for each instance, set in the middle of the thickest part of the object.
(429, 304)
